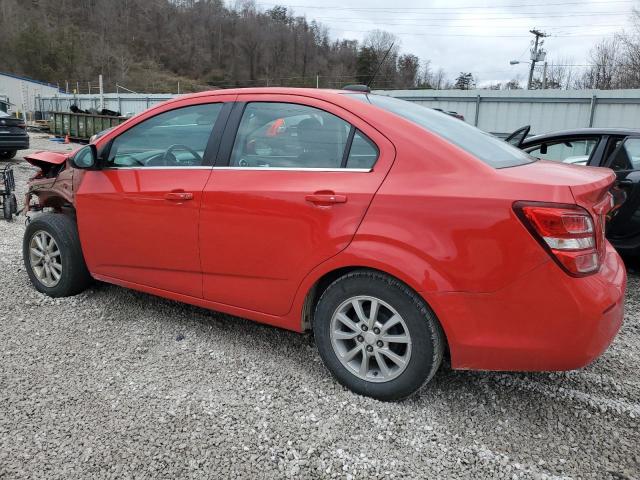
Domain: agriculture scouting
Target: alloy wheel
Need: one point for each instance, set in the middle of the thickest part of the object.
(45, 259)
(370, 338)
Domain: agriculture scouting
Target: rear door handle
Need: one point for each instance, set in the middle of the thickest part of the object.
(325, 198)
(178, 196)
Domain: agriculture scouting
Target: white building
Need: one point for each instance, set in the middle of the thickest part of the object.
(21, 92)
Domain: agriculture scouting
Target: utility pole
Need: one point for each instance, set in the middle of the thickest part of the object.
(101, 89)
(544, 76)
(537, 54)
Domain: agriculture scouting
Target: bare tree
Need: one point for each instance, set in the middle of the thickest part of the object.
(604, 72)
(630, 61)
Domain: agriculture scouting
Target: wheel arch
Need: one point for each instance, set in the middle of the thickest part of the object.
(322, 282)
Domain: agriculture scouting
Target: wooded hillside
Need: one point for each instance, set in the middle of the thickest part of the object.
(150, 45)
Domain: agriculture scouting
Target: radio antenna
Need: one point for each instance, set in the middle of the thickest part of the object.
(379, 65)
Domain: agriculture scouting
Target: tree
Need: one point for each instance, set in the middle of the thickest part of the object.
(513, 84)
(408, 71)
(384, 47)
(465, 81)
(629, 72)
(367, 63)
(605, 69)
(151, 45)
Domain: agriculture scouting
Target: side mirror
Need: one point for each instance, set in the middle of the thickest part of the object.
(86, 158)
(543, 149)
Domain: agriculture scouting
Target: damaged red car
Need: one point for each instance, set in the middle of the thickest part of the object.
(397, 234)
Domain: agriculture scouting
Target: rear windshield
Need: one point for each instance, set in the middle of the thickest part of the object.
(491, 150)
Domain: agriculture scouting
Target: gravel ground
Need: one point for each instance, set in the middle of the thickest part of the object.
(118, 384)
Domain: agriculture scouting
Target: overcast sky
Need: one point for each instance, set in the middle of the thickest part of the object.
(476, 36)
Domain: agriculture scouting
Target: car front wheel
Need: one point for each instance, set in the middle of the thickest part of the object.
(377, 336)
(53, 257)
(7, 154)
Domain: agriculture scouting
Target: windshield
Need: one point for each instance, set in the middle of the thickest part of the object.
(485, 147)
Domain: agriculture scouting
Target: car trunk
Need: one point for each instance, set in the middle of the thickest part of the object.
(12, 126)
(588, 187)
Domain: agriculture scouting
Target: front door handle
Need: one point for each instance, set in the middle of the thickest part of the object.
(178, 196)
(325, 198)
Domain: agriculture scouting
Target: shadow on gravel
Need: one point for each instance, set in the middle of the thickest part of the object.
(298, 351)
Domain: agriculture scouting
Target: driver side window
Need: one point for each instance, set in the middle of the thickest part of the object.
(177, 138)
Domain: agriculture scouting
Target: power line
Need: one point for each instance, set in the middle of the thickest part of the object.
(506, 16)
(467, 7)
(348, 20)
(421, 34)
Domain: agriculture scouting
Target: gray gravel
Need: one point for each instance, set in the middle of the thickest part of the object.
(118, 384)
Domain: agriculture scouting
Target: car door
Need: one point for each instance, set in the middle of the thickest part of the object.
(138, 215)
(625, 161)
(517, 137)
(295, 178)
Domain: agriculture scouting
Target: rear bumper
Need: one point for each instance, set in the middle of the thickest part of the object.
(546, 320)
(14, 142)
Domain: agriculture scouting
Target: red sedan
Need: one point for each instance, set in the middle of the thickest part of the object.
(396, 233)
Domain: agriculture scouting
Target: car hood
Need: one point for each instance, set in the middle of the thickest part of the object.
(45, 160)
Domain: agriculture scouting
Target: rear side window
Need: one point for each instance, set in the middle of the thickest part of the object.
(485, 147)
(575, 151)
(288, 135)
(363, 153)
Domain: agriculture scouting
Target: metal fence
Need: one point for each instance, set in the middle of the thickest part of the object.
(502, 112)
(494, 111)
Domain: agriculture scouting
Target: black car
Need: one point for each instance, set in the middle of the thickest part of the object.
(13, 136)
(615, 148)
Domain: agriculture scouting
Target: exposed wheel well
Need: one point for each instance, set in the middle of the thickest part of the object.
(315, 292)
(56, 202)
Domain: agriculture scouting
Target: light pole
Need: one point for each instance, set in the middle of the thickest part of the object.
(544, 73)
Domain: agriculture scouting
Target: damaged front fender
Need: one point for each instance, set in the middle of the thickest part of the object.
(54, 185)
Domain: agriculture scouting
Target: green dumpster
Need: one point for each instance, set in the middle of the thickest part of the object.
(80, 126)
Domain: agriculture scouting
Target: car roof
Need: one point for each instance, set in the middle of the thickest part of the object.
(580, 132)
(319, 93)
(272, 90)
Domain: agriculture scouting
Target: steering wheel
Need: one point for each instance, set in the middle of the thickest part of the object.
(166, 161)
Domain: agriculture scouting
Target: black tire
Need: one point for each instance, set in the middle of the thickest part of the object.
(75, 277)
(8, 154)
(6, 209)
(427, 337)
(13, 204)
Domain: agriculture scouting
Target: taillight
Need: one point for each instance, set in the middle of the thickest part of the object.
(567, 232)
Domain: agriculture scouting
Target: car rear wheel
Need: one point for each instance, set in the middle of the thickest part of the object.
(377, 336)
(53, 257)
(7, 154)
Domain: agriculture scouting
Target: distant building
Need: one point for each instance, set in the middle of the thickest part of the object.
(21, 92)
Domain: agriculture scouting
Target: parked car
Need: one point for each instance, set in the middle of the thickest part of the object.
(394, 233)
(615, 148)
(13, 136)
